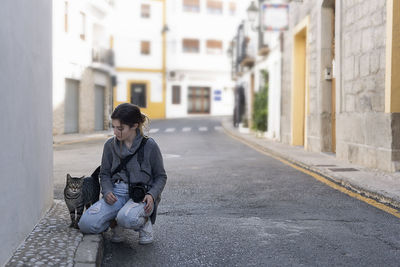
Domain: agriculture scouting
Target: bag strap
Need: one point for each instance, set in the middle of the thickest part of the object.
(124, 161)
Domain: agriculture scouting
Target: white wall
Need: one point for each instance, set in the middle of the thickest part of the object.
(201, 69)
(130, 29)
(274, 94)
(201, 26)
(26, 157)
(224, 106)
(72, 54)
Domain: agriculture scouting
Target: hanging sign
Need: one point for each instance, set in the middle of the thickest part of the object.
(275, 17)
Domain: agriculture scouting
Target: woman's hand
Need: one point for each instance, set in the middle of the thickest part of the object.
(148, 199)
(110, 198)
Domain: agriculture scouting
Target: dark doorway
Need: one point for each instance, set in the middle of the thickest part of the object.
(71, 110)
(138, 94)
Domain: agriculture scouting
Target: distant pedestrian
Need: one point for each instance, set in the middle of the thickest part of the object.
(143, 173)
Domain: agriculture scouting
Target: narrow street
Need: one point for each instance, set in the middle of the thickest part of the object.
(226, 204)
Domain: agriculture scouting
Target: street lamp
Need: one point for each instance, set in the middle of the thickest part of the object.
(252, 13)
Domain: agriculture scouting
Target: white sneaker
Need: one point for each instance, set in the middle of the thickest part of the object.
(117, 234)
(146, 233)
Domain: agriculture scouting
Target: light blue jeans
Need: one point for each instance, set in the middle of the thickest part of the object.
(128, 214)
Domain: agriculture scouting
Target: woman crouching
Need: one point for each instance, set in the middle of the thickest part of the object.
(143, 172)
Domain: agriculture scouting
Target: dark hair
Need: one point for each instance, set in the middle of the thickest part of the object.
(129, 114)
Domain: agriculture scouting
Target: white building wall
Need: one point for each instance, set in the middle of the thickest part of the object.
(132, 66)
(274, 92)
(71, 54)
(201, 69)
(130, 29)
(26, 157)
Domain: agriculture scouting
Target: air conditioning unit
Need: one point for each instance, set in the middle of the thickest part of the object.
(171, 75)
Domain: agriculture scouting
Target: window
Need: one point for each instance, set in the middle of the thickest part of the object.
(199, 100)
(145, 48)
(66, 16)
(191, 46)
(83, 26)
(191, 6)
(145, 11)
(214, 7)
(232, 8)
(176, 94)
(214, 47)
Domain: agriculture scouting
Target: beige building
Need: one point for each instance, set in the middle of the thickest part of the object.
(83, 65)
(340, 80)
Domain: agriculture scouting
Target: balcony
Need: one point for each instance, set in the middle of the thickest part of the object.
(248, 55)
(263, 50)
(103, 56)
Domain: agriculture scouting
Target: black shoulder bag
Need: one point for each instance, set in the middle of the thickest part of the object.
(137, 191)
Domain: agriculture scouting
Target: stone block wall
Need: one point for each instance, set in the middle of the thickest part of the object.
(365, 134)
(364, 131)
(87, 100)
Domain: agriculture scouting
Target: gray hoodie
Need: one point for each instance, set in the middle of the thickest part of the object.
(151, 172)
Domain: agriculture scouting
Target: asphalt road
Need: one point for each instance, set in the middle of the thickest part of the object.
(227, 205)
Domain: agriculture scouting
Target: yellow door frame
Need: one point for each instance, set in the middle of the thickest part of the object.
(392, 77)
(300, 93)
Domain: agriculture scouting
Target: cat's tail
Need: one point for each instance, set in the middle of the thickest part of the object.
(95, 174)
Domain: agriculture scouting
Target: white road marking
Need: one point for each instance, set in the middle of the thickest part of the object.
(170, 156)
(203, 129)
(153, 130)
(186, 129)
(170, 130)
(218, 128)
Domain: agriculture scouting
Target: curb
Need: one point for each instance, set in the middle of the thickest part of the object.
(79, 139)
(391, 202)
(89, 251)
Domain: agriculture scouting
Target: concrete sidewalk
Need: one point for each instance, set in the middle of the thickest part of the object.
(53, 243)
(381, 186)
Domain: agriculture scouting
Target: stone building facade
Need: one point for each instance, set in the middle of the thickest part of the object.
(334, 94)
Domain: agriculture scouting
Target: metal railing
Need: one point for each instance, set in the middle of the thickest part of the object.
(103, 55)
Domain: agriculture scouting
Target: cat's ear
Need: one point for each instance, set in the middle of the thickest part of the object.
(68, 177)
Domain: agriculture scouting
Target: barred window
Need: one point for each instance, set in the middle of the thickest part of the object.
(191, 46)
(145, 11)
(214, 7)
(191, 6)
(214, 47)
(145, 48)
(232, 8)
(83, 26)
(66, 16)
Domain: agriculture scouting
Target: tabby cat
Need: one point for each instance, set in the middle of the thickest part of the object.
(79, 193)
